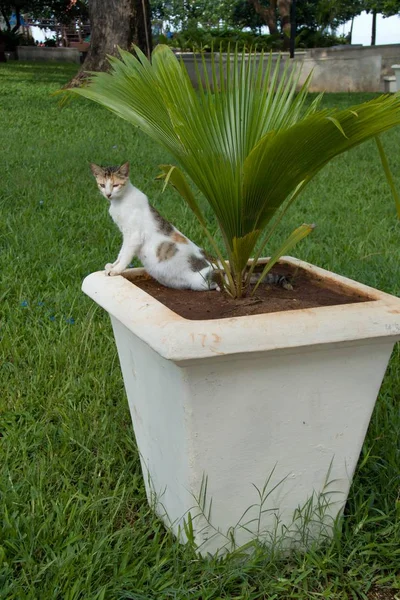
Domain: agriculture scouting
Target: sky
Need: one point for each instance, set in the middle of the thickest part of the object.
(387, 30)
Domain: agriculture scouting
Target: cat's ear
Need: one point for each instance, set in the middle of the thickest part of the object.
(124, 170)
(96, 170)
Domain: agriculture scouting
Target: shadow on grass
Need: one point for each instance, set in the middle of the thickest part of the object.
(39, 72)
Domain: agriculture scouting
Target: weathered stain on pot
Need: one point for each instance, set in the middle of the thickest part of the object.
(133, 369)
(322, 448)
(137, 417)
(144, 306)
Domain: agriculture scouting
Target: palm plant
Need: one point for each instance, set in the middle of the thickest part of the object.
(246, 140)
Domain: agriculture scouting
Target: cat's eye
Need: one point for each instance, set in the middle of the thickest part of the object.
(103, 185)
(116, 185)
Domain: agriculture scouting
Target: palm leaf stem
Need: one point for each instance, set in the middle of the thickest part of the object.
(271, 231)
(295, 237)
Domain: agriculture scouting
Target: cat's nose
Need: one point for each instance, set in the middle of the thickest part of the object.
(108, 195)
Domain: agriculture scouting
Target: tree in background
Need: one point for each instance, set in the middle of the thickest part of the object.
(63, 11)
(317, 17)
(332, 13)
(269, 12)
(2, 47)
(387, 8)
(313, 14)
(13, 11)
(115, 23)
(183, 14)
(244, 15)
(8, 7)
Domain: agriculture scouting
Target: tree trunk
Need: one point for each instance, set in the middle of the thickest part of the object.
(18, 20)
(351, 30)
(113, 24)
(267, 14)
(141, 26)
(373, 34)
(6, 20)
(292, 28)
(284, 15)
(2, 47)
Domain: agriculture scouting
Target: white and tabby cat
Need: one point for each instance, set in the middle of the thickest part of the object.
(166, 254)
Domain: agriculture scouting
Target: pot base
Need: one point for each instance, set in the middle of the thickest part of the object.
(213, 434)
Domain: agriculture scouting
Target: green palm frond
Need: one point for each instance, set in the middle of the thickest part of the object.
(388, 174)
(307, 146)
(246, 139)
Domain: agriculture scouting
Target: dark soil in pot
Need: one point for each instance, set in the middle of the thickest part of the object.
(308, 292)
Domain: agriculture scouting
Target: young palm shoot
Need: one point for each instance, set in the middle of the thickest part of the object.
(245, 139)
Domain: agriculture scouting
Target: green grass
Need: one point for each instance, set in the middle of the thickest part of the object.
(74, 519)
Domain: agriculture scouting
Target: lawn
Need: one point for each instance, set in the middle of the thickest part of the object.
(74, 518)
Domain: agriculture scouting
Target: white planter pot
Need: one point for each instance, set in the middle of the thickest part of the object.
(282, 397)
(396, 69)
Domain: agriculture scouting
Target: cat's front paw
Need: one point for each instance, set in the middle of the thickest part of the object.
(112, 271)
(108, 268)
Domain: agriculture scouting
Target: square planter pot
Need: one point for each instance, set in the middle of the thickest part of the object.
(280, 402)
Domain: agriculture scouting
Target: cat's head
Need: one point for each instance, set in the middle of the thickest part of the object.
(111, 180)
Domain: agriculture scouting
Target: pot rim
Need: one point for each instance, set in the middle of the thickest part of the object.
(178, 339)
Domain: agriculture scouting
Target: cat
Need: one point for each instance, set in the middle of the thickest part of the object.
(165, 253)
